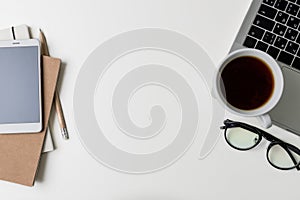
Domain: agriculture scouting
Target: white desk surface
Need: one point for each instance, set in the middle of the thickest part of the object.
(74, 28)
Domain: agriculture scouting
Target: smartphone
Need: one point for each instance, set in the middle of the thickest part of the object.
(20, 86)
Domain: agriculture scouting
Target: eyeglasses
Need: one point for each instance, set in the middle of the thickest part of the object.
(280, 154)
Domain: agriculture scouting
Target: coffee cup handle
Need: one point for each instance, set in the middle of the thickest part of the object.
(265, 120)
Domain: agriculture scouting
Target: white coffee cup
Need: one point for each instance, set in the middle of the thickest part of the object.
(278, 83)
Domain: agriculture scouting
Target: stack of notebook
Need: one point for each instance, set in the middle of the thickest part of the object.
(20, 153)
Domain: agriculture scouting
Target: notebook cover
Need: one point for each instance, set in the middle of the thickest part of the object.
(20, 153)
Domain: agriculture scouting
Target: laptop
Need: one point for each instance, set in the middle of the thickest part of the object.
(273, 26)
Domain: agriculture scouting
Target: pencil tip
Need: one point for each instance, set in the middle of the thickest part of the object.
(65, 133)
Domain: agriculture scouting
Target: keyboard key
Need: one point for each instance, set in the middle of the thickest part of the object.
(250, 42)
(296, 63)
(279, 29)
(292, 9)
(282, 17)
(280, 42)
(291, 34)
(285, 57)
(256, 32)
(267, 11)
(281, 4)
(273, 51)
(264, 22)
(269, 37)
(262, 46)
(292, 47)
(293, 22)
(269, 2)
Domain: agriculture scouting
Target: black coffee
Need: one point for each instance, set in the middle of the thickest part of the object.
(248, 82)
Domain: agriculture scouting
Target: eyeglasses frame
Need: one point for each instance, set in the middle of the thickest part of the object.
(263, 134)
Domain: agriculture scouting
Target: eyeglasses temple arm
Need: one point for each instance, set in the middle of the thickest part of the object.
(222, 127)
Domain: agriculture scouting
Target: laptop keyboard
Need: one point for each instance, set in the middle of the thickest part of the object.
(276, 31)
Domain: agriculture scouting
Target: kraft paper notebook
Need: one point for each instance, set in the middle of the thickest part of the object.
(20, 153)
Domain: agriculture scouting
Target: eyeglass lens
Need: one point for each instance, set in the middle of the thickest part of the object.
(241, 138)
(279, 157)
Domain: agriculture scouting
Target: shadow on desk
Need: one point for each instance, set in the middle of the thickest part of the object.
(42, 168)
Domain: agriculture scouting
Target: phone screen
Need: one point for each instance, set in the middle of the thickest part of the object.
(19, 85)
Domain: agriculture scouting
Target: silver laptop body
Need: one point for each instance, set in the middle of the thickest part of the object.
(273, 26)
